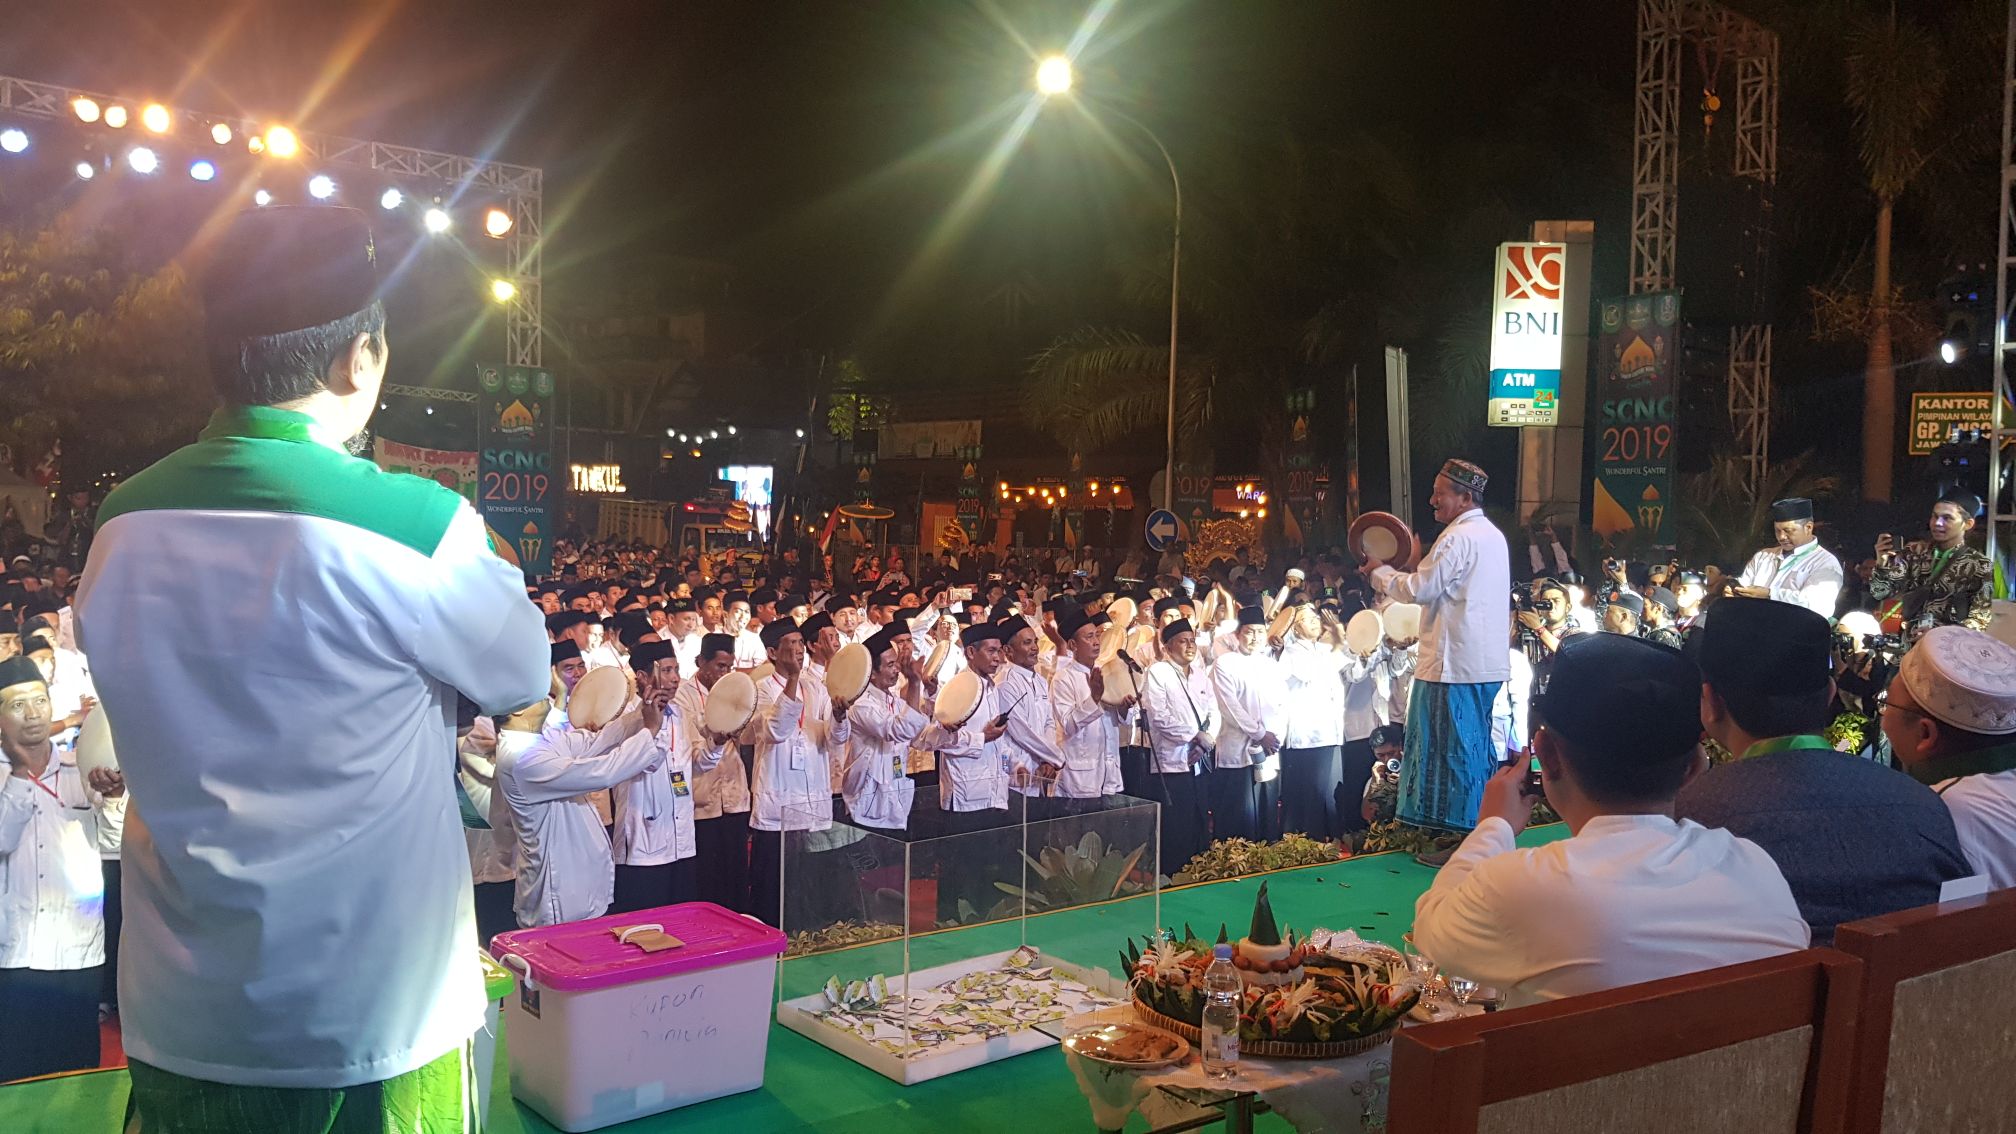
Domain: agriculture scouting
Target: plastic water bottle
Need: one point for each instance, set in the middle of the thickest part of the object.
(1224, 996)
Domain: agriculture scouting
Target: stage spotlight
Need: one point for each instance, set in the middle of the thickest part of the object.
(221, 134)
(115, 117)
(496, 222)
(436, 220)
(86, 171)
(1951, 351)
(262, 197)
(391, 199)
(143, 160)
(731, 431)
(155, 118)
(321, 187)
(503, 290)
(13, 141)
(282, 142)
(87, 109)
(202, 170)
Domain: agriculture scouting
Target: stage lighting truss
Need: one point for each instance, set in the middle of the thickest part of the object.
(513, 193)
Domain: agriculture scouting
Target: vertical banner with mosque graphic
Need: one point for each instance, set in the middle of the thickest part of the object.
(1634, 424)
(517, 491)
(1298, 496)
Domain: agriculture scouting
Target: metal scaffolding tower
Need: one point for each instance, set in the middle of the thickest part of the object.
(518, 187)
(2000, 540)
(1664, 27)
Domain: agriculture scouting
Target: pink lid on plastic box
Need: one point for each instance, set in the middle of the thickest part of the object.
(587, 955)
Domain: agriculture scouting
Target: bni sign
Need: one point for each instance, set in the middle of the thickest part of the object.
(1526, 334)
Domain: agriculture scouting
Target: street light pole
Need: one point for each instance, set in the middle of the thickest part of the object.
(1175, 294)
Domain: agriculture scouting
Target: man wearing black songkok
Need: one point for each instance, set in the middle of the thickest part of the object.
(1854, 839)
(1797, 569)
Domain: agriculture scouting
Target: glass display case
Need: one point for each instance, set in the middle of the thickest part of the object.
(928, 950)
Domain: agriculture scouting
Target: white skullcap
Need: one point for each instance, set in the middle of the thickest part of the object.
(1963, 678)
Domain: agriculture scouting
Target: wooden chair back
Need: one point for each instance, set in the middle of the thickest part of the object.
(1935, 1045)
(1757, 1048)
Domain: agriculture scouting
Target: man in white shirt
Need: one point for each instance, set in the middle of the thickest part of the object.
(654, 842)
(1312, 672)
(1635, 895)
(262, 592)
(1798, 569)
(51, 930)
(749, 649)
(1252, 700)
(883, 723)
(682, 630)
(973, 765)
(566, 871)
(493, 851)
(1463, 586)
(1032, 739)
(1951, 720)
(1182, 711)
(801, 736)
(1090, 730)
(721, 793)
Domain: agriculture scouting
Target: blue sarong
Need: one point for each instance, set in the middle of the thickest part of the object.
(1448, 755)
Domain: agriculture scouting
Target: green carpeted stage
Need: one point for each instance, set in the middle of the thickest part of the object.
(807, 1087)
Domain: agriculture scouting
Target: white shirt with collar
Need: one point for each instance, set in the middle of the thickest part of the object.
(654, 808)
(722, 789)
(1462, 586)
(875, 786)
(687, 651)
(1368, 692)
(1314, 672)
(798, 744)
(1032, 737)
(749, 650)
(493, 854)
(1400, 677)
(1090, 733)
(566, 871)
(1630, 898)
(1809, 575)
(973, 771)
(1252, 692)
(603, 655)
(1984, 815)
(52, 886)
(1181, 707)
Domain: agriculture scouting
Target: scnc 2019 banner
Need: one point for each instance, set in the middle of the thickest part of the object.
(1634, 424)
(516, 487)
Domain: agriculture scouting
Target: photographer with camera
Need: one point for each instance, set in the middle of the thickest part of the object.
(1943, 582)
(1543, 617)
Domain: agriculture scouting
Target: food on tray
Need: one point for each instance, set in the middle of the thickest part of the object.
(1128, 1043)
(1293, 994)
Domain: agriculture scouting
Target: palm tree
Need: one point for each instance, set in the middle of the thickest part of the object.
(1895, 72)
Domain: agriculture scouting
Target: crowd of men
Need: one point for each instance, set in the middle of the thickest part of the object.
(308, 666)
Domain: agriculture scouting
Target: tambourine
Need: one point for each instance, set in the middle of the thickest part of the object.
(847, 676)
(730, 705)
(762, 670)
(1364, 631)
(94, 744)
(939, 652)
(1122, 612)
(598, 697)
(1385, 537)
(1119, 682)
(1403, 621)
(1144, 640)
(1283, 620)
(958, 699)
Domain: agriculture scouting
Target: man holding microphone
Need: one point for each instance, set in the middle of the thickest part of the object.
(1462, 586)
(279, 631)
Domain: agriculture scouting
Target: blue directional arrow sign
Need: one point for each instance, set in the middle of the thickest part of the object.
(1161, 529)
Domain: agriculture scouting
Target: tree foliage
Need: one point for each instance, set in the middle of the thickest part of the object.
(95, 350)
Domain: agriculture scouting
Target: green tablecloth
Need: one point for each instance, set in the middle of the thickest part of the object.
(807, 1087)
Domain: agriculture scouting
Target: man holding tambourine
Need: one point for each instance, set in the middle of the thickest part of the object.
(1465, 622)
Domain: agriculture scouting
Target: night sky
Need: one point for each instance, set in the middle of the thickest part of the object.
(814, 144)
